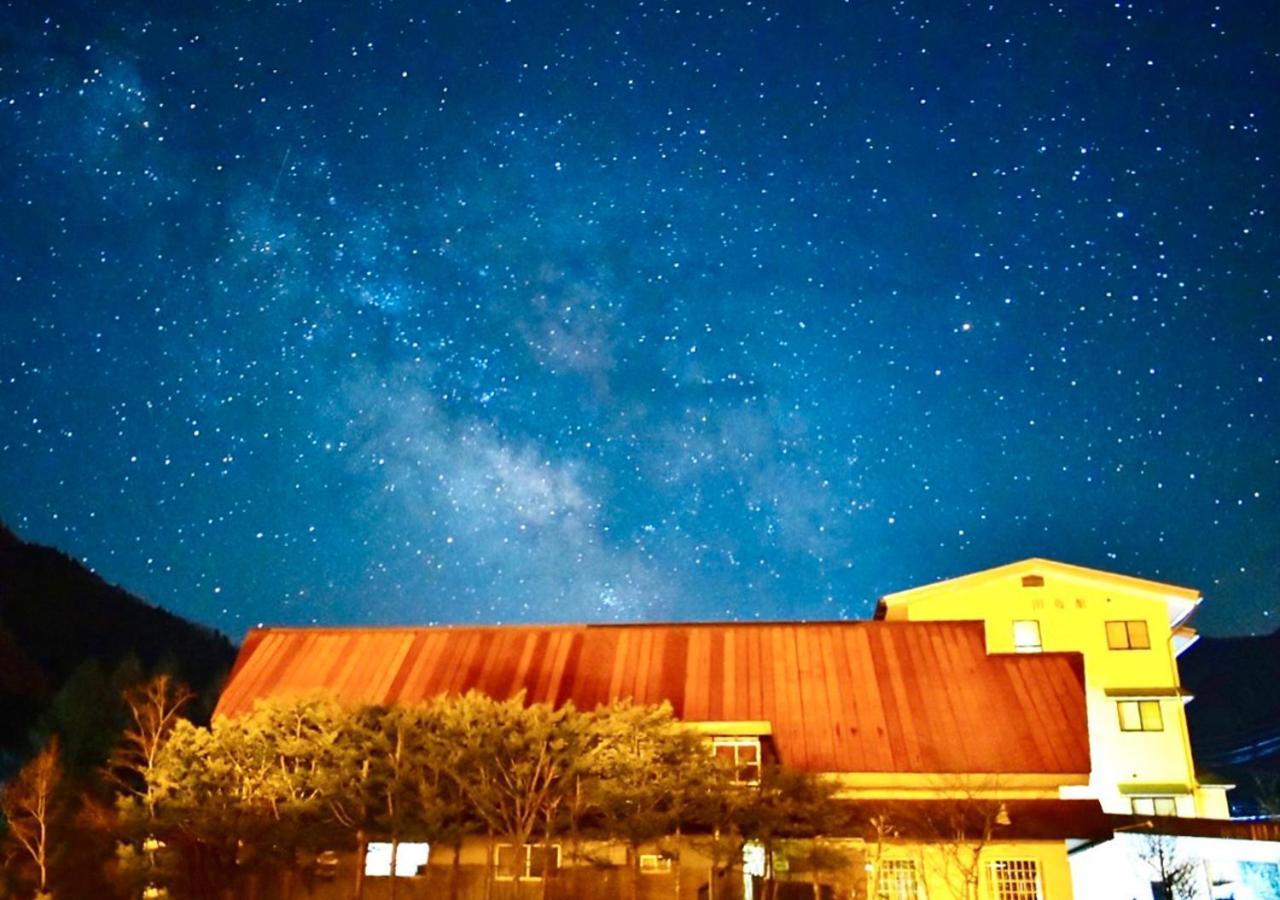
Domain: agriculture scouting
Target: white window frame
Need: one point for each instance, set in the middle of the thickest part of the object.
(1021, 644)
(527, 874)
(737, 742)
(888, 888)
(1153, 801)
(1027, 882)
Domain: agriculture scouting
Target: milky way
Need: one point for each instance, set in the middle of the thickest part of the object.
(405, 312)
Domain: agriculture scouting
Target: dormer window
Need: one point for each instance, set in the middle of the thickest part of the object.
(1026, 636)
(741, 755)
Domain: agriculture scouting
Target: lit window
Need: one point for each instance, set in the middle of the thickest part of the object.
(1026, 636)
(1154, 806)
(898, 880)
(654, 864)
(409, 858)
(535, 862)
(1128, 635)
(1140, 715)
(742, 755)
(1013, 879)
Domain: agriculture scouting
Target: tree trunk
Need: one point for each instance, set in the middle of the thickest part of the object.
(633, 872)
(715, 853)
(678, 861)
(489, 864)
(395, 851)
(362, 849)
(455, 869)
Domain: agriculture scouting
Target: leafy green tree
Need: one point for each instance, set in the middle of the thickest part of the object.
(349, 788)
(441, 814)
(200, 813)
(515, 766)
(245, 795)
(789, 808)
(716, 804)
(287, 748)
(641, 766)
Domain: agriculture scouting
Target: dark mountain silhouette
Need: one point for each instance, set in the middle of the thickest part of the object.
(57, 618)
(1235, 718)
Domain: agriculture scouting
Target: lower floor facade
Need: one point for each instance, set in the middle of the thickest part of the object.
(849, 869)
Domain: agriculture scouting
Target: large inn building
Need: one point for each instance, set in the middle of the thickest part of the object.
(1047, 691)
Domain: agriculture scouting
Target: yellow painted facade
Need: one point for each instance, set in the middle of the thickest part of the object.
(1130, 632)
(952, 872)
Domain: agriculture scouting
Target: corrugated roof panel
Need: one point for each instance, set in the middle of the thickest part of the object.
(840, 696)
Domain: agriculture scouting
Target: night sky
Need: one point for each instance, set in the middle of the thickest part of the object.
(512, 311)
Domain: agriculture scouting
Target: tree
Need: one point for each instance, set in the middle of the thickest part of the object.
(351, 794)
(1267, 790)
(285, 750)
(1175, 875)
(244, 793)
(790, 807)
(640, 765)
(960, 826)
(29, 806)
(199, 807)
(440, 814)
(154, 706)
(714, 803)
(514, 765)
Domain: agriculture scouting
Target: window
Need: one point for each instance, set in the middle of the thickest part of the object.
(1026, 636)
(409, 858)
(1154, 806)
(740, 754)
(654, 864)
(535, 862)
(1140, 715)
(1013, 879)
(1128, 635)
(898, 880)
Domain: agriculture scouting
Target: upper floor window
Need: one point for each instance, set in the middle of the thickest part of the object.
(741, 755)
(1128, 635)
(1013, 879)
(1026, 636)
(1140, 715)
(1154, 806)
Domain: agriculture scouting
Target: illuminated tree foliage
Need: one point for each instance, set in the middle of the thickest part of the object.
(206, 812)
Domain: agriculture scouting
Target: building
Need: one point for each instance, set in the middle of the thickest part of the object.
(1042, 698)
(1130, 632)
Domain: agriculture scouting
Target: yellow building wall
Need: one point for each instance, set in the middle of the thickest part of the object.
(944, 868)
(1073, 614)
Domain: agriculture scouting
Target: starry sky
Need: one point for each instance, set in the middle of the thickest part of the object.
(512, 311)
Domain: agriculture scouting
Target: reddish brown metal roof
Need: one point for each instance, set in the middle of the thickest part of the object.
(921, 697)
